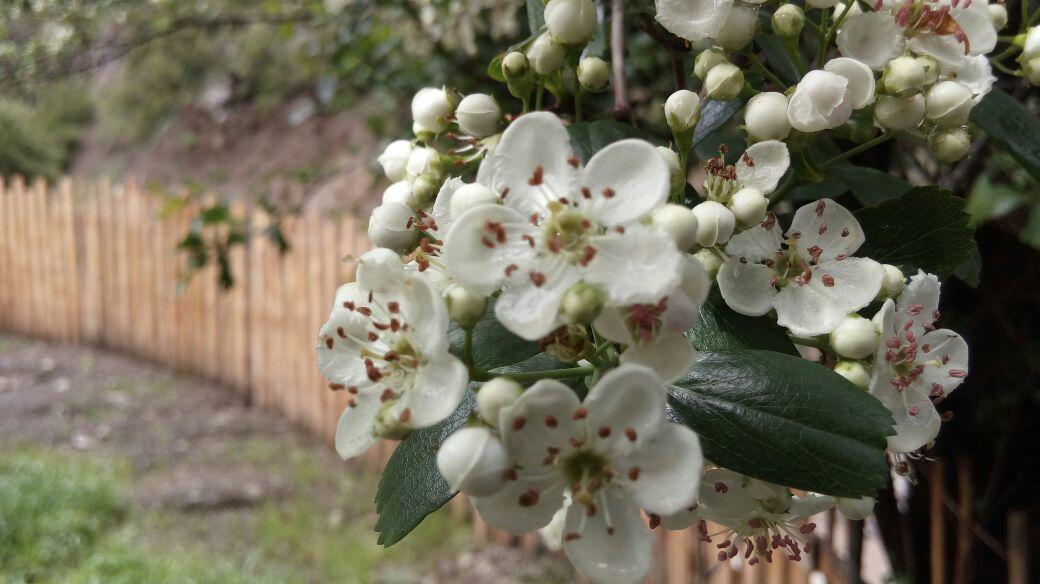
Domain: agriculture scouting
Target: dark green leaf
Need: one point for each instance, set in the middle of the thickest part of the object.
(535, 15)
(494, 69)
(411, 486)
(868, 185)
(714, 115)
(1011, 127)
(215, 214)
(493, 345)
(588, 138)
(971, 268)
(926, 228)
(785, 420)
(777, 59)
(721, 329)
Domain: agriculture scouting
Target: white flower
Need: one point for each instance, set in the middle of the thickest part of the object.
(653, 333)
(474, 460)
(824, 99)
(394, 159)
(813, 283)
(760, 167)
(915, 362)
(431, 108)
(561, 224)
(386, 344)
(696, 20)
(615, 453)
(391, 226)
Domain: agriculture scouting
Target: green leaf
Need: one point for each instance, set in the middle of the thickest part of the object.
(926, 228)
(494, 69)
(777, 59)
(868, 185)
(1011, 126)
(722, 329)
(785, 420)
(411, 486)
(971, 268)
(493, 345)
(588, 138)
(714, 115)
(535, 15)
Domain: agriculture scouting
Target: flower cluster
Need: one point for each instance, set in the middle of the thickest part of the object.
(606, 258)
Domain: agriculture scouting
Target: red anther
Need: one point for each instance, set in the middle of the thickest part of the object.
(587, 254)
(820, 206)
(633, 473)
(572, 536)
(518, 423)
(958, 373)
(580, 413)
(722, 556)
(828, 280)
(528, 498)
(807, 528)
(329, 343)
(609, 193)
(336, 386)
(550, 421)
(630, 433)
(585, 192)
(406, 414)
(388, 394)
(537, 278)
(720, 487)
(655, 520)
(537, 177)
(573, 161)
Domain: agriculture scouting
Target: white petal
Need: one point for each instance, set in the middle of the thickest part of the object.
(769, 161)
(611, 324)
(982, 36)
(424, 310)
(829, 226)
(441, 211)
(943, 48)
(836, 289)
(540, 419)
(633, 174)
(758, 244)
(861, 79)
(646, 256)
(747, 288)
(614, 546)
(695, 283)
(627, 402)
(918, 304)
(872, 38)
(693, 20)
(529, 308)
(975, 73)
(669, 471)
(724, 498)
(811, 504)
(477, 266)
(533, 141)
(503, 509)
(354, 430)
(916, 421)
(944, 354)
(439, 387)
(670, 355)
(820, 102)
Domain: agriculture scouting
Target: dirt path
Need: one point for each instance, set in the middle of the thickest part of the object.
(217, 484)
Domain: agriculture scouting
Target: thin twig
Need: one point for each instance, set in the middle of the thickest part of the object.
(622, 108)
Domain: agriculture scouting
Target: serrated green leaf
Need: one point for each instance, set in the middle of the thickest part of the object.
(588, 138)
(722, 329)
(493, 345)
(926, 228)
(970, 269)
(411, 486)
(1012, 127)
(785, 420)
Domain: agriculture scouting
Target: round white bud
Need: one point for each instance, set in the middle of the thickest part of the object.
(581, 303)
(424, 189)
(749, 206)
(431, 108)
(546, 55)
(706, 60)
(903, 76)
(515, 65)
(474, 461)
(593, 74)
(478, 115)
(854, 372)
(682, 110)
(724, 82)
(739, 27)
(390, 227)
(950, 145)
(399, 192)
(572, 22)
(998, 15)
(931, 69)
(422, 161)
(678, 222)
(821, 3)
(715, 223)
(898, 113)
(500, 392)
(765, 117)
(468, 196)
(710, 260)
(856, 509)
(892, 283)
(464, 307)
(394, 159)
(854, 338)
(1031, 71)
(788, 21)
(948, 103)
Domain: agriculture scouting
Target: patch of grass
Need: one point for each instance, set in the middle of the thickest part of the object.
(120, 561)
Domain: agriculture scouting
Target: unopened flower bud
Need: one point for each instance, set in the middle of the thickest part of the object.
(739, 27)
(571, 22)
(390, 227)
(892, 283)
(515, 65)
(998, 15)
(706, 60)
(724, 82)
(950, 145)
(715, 223)
(678, 222)
(474, 461)
(478, 115)
(424, 189)
(422, 161)
(765, 117)
(856, 509)
(682, 109)
(468, 196)
(677, 181)
(593, 74)
(903, 76)
(1031, 71)
(899, 113)
(581, 303)
(821, 3)
(569, 343)
(500, 392)
(788, 21)
(931, 69)
(394, 159)
(854, 372)
(465, 307)
(854, 338)
(546, 55)
(388, 425)
(710, 260)
(749, 206)
(399, 192)
(948, 103)
(431, 108)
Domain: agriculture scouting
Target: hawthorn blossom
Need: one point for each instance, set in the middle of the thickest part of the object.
(560, 224)
(809, 277)
(760, 167)
(386, 344)
(653, 333)
(825, 98)
(729, 20)
(915, 362)
(614, 453)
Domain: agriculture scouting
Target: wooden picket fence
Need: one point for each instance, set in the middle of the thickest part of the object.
(94, 263)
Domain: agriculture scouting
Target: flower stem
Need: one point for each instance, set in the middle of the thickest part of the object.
(880, 139)
(760, 67)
